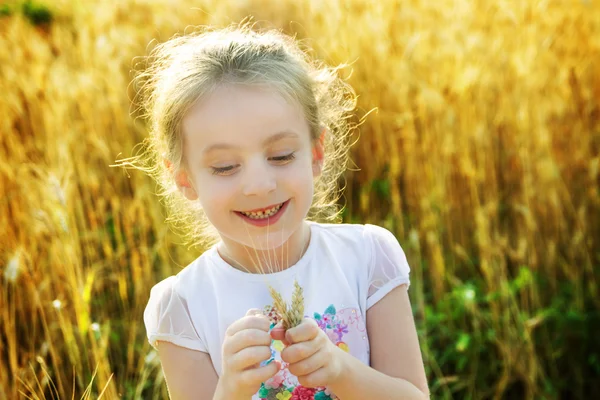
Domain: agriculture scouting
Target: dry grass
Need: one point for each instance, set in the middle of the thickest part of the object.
(483, 157)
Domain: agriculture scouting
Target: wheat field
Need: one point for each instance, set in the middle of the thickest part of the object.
(480, 150)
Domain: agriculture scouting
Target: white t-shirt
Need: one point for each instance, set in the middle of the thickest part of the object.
(345, 270)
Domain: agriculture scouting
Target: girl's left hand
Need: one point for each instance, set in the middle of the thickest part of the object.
(311, 355)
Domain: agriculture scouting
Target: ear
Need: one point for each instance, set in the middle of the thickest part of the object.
(318, 154)
(182, 181)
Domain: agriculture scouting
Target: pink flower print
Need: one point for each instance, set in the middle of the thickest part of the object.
(340, 329)
(303, 393)
(327, 319)
(332, 336)
(274, 382)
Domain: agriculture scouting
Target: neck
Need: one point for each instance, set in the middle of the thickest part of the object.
(277, 259)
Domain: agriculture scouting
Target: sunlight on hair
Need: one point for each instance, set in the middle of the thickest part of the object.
(182, 70)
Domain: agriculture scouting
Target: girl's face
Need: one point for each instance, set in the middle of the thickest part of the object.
(250, 163)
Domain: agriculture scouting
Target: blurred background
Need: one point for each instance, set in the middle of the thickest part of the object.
(481, 153)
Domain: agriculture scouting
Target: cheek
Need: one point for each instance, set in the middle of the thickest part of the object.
(214, 193)
(302, 170)
(300, 181)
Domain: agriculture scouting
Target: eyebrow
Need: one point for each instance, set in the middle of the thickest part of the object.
(271, 139)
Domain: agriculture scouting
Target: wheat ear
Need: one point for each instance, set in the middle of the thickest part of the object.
(290, 316)
(296, 312)
(279, 305)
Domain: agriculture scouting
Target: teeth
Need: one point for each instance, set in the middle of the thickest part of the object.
(263, 214)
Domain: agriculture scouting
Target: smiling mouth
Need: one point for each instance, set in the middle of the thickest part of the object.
(263, 214)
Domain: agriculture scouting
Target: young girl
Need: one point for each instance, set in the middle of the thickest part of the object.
(253, 136)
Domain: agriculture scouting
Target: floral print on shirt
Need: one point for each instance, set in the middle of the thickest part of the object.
(284, 385)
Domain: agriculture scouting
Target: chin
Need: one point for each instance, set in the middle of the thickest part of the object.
(264, 242)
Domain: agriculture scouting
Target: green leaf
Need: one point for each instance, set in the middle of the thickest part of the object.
(5, 10)
(463, 342)
(321, 396)
(263, 392)
(37, 13)
(330, 310)
(381, 187)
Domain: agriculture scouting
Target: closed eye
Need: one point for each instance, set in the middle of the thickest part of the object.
(288, 157)
(228, 170)
(222, 170)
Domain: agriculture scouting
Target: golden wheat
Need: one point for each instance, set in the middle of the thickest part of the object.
(482, 156)
(296, 311)
(292, 315)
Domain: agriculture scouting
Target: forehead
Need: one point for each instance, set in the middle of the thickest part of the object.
(241, 116)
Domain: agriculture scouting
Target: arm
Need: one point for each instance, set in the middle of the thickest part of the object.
(189, 373)
(397, 370)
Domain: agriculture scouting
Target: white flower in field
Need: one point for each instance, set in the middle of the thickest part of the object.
(62, 218)
(101, 41)
(44, 349)
(152, 358)
(56, 304)
(95, 327)
(413, 238)
(13, 269)
(469, 294)
(59, 192)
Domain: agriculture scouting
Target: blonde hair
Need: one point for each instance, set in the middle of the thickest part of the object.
(185, 68)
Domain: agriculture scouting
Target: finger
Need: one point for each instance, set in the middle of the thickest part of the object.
(314, 379)
(256, 376)
(246, 338)
(249, 357)
(257, 365)
(299, 351)
(308, 365)
(253, 311)
(249, 322)
(307, 330)
(279, 334)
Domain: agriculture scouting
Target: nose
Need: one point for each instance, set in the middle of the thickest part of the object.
(259, 179)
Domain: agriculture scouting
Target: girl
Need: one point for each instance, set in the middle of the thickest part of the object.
(252, 137)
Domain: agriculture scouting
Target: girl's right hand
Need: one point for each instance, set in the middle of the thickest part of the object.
(247, 343)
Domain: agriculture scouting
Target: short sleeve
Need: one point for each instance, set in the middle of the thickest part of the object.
(167, 317)
(388, 267)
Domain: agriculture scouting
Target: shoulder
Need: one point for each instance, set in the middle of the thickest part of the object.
(384, 247)
(162, 295)
(381, 239)
(180, 284)
(362, 244)
(167, 315)
(164, 288)
(351, 229)
(373, 244)
(341, 232)
(357, 235)
(346, 241)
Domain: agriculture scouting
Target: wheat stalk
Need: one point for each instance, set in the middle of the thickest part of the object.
(290, 316)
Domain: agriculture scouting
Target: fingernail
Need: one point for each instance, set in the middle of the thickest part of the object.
(277, 332)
